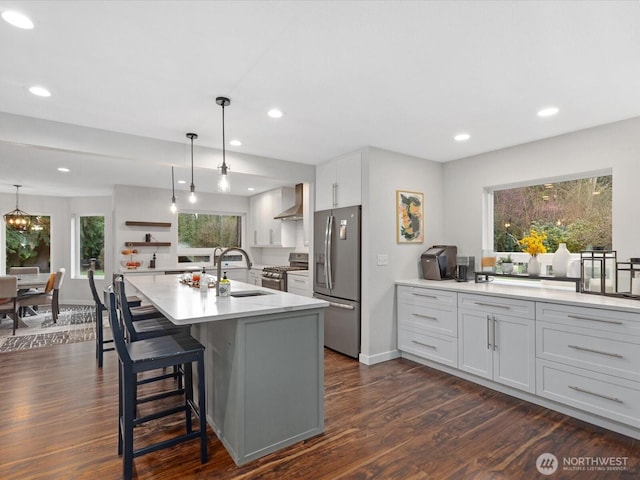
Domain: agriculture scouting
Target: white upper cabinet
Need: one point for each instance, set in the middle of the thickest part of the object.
(339, 182)
(265, 230)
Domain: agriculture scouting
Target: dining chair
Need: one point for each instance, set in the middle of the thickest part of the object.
(179, 351)
(8, 296)
(25, 271)
(132, 301)
(50, 295)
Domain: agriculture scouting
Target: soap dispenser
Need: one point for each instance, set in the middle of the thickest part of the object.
(204, 281)
(225, 286)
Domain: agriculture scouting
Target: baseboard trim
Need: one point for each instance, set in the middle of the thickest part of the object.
(378, 357)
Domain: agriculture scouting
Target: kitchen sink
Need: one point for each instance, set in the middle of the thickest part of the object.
(250, 293)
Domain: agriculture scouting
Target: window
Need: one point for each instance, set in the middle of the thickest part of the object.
(30, 248)
(200, 233)
(575, 212)
(90, 244)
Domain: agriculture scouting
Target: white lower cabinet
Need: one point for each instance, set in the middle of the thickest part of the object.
(496, 344)
(298, 283)
(573, 356)
(427, 325)
(255, 277)
(589, 358)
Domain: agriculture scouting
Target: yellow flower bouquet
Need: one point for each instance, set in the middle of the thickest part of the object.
(532, 243)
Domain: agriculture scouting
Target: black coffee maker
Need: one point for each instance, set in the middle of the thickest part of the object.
(465, 268)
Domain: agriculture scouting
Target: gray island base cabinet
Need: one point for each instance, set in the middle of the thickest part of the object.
(265, 381)
(574, 353)
(264, 360)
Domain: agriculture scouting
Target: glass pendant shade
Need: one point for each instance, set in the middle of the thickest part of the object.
(17, 219)
(224, 186)
(192, 195)
(174, 207)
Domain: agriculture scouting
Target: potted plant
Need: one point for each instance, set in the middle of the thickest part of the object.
(507, 264)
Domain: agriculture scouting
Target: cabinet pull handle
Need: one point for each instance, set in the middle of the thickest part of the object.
(596, 351)
(613, 399)
(271, 236)
(578, 317)
(495, 333)
(488, 337)
(424, 295)
(424, 316)
(255, 237)
(482, 304)
(424, 344)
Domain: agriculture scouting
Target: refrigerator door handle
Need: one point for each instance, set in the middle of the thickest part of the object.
(342, 305)
(327, 256)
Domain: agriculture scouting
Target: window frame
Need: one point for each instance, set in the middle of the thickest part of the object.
(488, 205)
(208, 251)
(76, 247)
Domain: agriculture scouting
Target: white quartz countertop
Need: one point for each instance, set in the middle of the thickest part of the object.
(529, 291)
(183, 304)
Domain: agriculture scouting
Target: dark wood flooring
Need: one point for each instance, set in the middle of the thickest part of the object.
(396, 420)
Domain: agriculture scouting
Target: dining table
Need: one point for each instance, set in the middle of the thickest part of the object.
(32, 280)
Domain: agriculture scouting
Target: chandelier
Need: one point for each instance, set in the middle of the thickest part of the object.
(17, 219)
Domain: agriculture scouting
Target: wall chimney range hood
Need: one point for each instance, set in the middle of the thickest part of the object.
(295, 212)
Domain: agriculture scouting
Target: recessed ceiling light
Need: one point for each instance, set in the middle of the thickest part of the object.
(274, 113)
(40, 91)
(548, 112)
(251, 189)
(182, 181)
(462, 137)
(17, 19)
(235, 143)
(63, 169)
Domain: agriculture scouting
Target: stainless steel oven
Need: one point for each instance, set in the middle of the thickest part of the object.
(276, 277)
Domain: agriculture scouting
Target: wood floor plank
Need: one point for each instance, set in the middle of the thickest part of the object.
(392, 421)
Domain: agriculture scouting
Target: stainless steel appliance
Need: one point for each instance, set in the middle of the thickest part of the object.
(465, 268)
(439, 262)
(337, 276)
(276, 277)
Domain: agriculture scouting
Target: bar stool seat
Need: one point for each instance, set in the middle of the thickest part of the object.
(150, 354)
(132, 301)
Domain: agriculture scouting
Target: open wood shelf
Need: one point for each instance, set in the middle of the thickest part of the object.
(147, 244)
(131, 223)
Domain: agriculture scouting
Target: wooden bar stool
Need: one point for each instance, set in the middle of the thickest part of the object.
(145, 355)
(100, 308)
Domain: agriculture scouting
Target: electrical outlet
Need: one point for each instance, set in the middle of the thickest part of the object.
(383, 259)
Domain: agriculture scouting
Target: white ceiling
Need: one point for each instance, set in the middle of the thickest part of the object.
(402, 76)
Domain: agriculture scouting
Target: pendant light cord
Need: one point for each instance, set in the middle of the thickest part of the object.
(173, 186)
(192, 185)
(223, 139)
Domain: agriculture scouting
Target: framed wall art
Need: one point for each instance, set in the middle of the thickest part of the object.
(409, 217)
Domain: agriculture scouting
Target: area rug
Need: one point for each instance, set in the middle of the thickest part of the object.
(75, 324)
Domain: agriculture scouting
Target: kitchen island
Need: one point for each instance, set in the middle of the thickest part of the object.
(263, 360)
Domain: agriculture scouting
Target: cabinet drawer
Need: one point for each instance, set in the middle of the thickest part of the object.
(491, 304)
(427, 296)
(439, 348)
(610, 397)
(593, 318)
(428, 319)
(604, 352)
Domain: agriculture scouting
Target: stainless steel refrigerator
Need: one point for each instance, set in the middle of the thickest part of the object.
(337, 276)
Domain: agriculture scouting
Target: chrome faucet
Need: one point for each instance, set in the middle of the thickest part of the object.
(219, 270)
(214, 254)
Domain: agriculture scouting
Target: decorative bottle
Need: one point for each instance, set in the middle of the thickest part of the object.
(225, 286)
(204, 281)
(561, 261)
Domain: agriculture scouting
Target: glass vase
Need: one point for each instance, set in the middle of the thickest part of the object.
(534, 266)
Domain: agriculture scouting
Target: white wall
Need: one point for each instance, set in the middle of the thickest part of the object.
(615, 146)
(385, 172)
(61, 210)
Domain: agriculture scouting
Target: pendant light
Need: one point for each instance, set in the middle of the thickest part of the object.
(223, 182)
(17, 219)
(174, 207)
(192, 195)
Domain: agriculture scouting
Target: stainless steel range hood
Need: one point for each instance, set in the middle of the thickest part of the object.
(295, 212)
